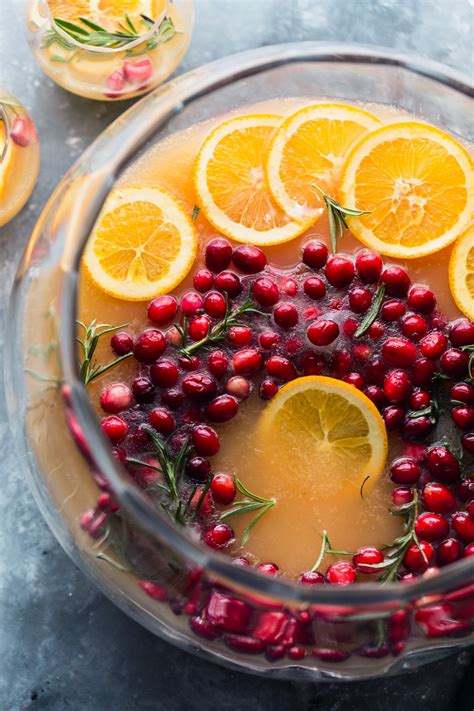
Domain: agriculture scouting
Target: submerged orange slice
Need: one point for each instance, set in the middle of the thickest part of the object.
(416, 181)
(107, 13)
(6, 158)
(328, 428)
(461, 273)
(230, 183)
(309, 148)
(143, 244)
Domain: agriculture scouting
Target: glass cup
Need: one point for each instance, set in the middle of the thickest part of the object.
(132, 58)
(194, 597)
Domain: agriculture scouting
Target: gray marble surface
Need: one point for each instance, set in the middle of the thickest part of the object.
(62, 644)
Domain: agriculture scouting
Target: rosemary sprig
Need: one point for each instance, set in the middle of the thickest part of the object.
(372, 313)
(325, 549)
(90, 369)
(196, 211)
(337, 215)
(250, 502)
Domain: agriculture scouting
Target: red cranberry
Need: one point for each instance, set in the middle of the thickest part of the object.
(375, 371)
(396, 280)
(341, 573)
(421, 299)
(443, 465)
(199, 328)
(218, 254)
(310, 577)
(218, 536)
(360, 299)
(239, 386)
(215, 305)
(115, 428)
(162, 310)
(249, 259)
(376, 330)
(420, 400)
(393, 418)
(268, 339)
(467, 441)
(162, 420)
(223, 489)
(314, 287)
(361, 351)
(315, 254)
(322, 332)
(222, 408)
(203, 280)
(191, 303)
(366, 558)
(469, 550)
(206, 440)
(199, 386)
(462, 392)
(417, 427)
(280, 368)
(121, 343)
(454, 363)
(172, 398)
(413, 326)
(198, 468)
(116, 397)
(229, 283)
(463, 416)
(268, 569)
(189, 363)
(433, 345)
(311, 312)
(350, 326)
(265, 291)
(164, 373)
(23, 132)
(399, 352)
(149, 346)
(369, 265)
(289, 287)
(375, 393)
(418, 558)
(285, 315)
(438, 498)
(461, 333)
(448, 551)
(312, 364)
(355, 379)
(422, 372)
(143, 389)
(218, 362)
(405, 471)
(401, 496)
(392, 310)
(397, 386)
(268, 389)
(339, 271)
(463, 525)
(431, 527)
(247, 361)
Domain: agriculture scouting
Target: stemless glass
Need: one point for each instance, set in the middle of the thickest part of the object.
(194, 597)
(111, 71)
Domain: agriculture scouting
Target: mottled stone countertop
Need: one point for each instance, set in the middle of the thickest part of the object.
(62, 644)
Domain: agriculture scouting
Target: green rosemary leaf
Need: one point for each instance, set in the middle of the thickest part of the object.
(322, 552)
(196, 211)
(246, 507)
(372, 313)
(103, 369)
(199, 502)
(58, 58)
(92, 25)
(70, 27)
(336, 214)
(333, 230)
(253, 523)
(130, 24)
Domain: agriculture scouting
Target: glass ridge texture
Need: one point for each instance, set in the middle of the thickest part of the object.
(197, 598)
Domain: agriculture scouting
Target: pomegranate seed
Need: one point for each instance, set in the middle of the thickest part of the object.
(268, 569)
(339, 271)
(422, 372)
(376, 394)
(396, 280)
(431, 527)
(454, 363)
(421, 299)
(229, 283)
(162, 310)
(401, 496)
(206, 440)
(164, 373)
(310, 577)
(115, 428)
(369, 265)
(285, 315)
(443, 465)
(162, 420)
(121, 343)
(239, 386)
(268, 339)
(461, 333)
(115, 82)
(360, 299)
(243, 644)
(405, 471)
(199, 386)
(189, 363)
(172, 398)
(376, 371)
(138, 72)
(438, 498)
(203, 280)
(350, 326)
(393, 418)
(417, 427)
(218, 536)
(322, 332)
(289, 287)
(247, 361)
(355, 379)
(203, 628)
(199, 328)
(419, 400)
(397, 386)
(265, 291)
(198, 468)
(399, 352)
(433, 345)
(23, 131)
(280, 368)
(240, 335)
(463, 525)
(312, 364)
(413, 326)
(222, 408)
(268, 389)
(418, 558)
(218, 254)
(467, 441)
(149, 346)
(392, 310)
(314, 287)
(116, 397)
(341, 573)
(223, 489)
(462, 392)
(469, 550)
(463, 416)
(143, 390)
(366, 558)
(315, 254)
(376, 330)
(249, 259)
(215, 305)
(218, 363)
(448, 551)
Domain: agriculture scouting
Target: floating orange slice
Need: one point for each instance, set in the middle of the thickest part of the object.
(461, 273)
(309, 148)
(418, 184)
(230, 183)
(107, 12)
(6, 158)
